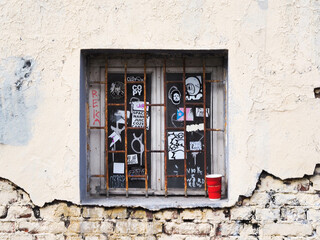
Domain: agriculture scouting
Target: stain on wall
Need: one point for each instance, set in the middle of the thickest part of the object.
(18, 99)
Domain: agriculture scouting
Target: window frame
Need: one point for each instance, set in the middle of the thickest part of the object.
(159, 190)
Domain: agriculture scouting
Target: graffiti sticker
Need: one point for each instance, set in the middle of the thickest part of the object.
(180, 114)
(176, 145)
(174, 95)
(193, 88)
(117, 90)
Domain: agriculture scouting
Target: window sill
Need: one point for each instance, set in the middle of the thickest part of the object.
(155, 203)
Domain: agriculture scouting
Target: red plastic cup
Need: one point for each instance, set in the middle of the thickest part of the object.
(214, 186)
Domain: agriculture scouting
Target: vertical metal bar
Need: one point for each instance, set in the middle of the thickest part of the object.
(106, 128)
(165, 129)
(225, 121)
(184, 127)
(145, 126)
(126, 129)
(204, 125)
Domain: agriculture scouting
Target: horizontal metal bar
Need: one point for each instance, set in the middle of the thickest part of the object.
(156, 105)
(115, 104)
(175, 176)
(135, 82)
(135, 128)
(194, 151)
(215, 130)
(116, 151)
(98, 176)
(96, 127)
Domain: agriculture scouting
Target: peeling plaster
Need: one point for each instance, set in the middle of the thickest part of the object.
(273, 68)
(18, 99)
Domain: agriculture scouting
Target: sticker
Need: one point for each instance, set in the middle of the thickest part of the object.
(180, 114)
(132, 159)
(199, 112)
(138, 119)
(138, 106)
(194, 146)
(174, 95)
(115, 137)
(140, 149)
(119, 116)
(176, 145)
(117, 90)
(195, 127)
(194, 88)
(136, 90)
(118, 168)
(134, 79)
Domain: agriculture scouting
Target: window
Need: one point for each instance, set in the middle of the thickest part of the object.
(156, 122)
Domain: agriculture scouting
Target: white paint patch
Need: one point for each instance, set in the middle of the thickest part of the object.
(18, 99)
(195, 127)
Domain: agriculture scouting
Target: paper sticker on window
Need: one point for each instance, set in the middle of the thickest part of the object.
(180, 114)
(132, 159)
(176, 145)
(118, 168)
(194, 88)
(138, 106)
(199, 112)
(138, 119)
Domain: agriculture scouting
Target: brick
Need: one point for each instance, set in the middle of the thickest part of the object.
(197, 238)
(138, 214)
(187, 228)
(3, 211)
(214, 215)
(74, 227)
(46, 236)
(42, 226)
(191, 214)
(267, 214)
(270, 183)
(94, 237)
(7, 226)
(21, 236)
(286, 229)
(166, 215)
(121, 227)
(293, 214)
(106, 227)
(315, 183)
(95, 213)
(137, 227)
(8, 197)
(257, 199)
(281, 199)
(89, 227)
(154, 228)
(119, 213)
(242, 213)
(171, 237)
(16, 211)
(313, 215)
(228, 229)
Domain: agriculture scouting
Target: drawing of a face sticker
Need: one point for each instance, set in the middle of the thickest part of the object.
(193, 88)
(174, 95)
(117, 90)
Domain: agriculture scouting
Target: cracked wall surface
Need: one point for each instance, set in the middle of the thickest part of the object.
(276, 210)
(273, 68)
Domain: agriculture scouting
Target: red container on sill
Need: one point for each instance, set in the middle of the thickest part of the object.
(214, 186)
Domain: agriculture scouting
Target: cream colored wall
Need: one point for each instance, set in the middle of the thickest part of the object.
(274, 65)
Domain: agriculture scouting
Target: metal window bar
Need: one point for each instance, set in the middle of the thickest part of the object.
(185, 128)
(166, 128)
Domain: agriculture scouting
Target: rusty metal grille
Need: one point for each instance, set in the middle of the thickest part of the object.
(201, 103)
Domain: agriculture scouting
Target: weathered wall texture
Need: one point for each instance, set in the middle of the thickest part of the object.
(277, 210)
(274, 65)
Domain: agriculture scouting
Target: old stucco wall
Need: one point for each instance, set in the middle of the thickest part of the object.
(274, 65)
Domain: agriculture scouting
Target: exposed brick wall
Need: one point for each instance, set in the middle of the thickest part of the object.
(277, 210)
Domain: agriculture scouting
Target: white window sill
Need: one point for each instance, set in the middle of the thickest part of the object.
(154, 203)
